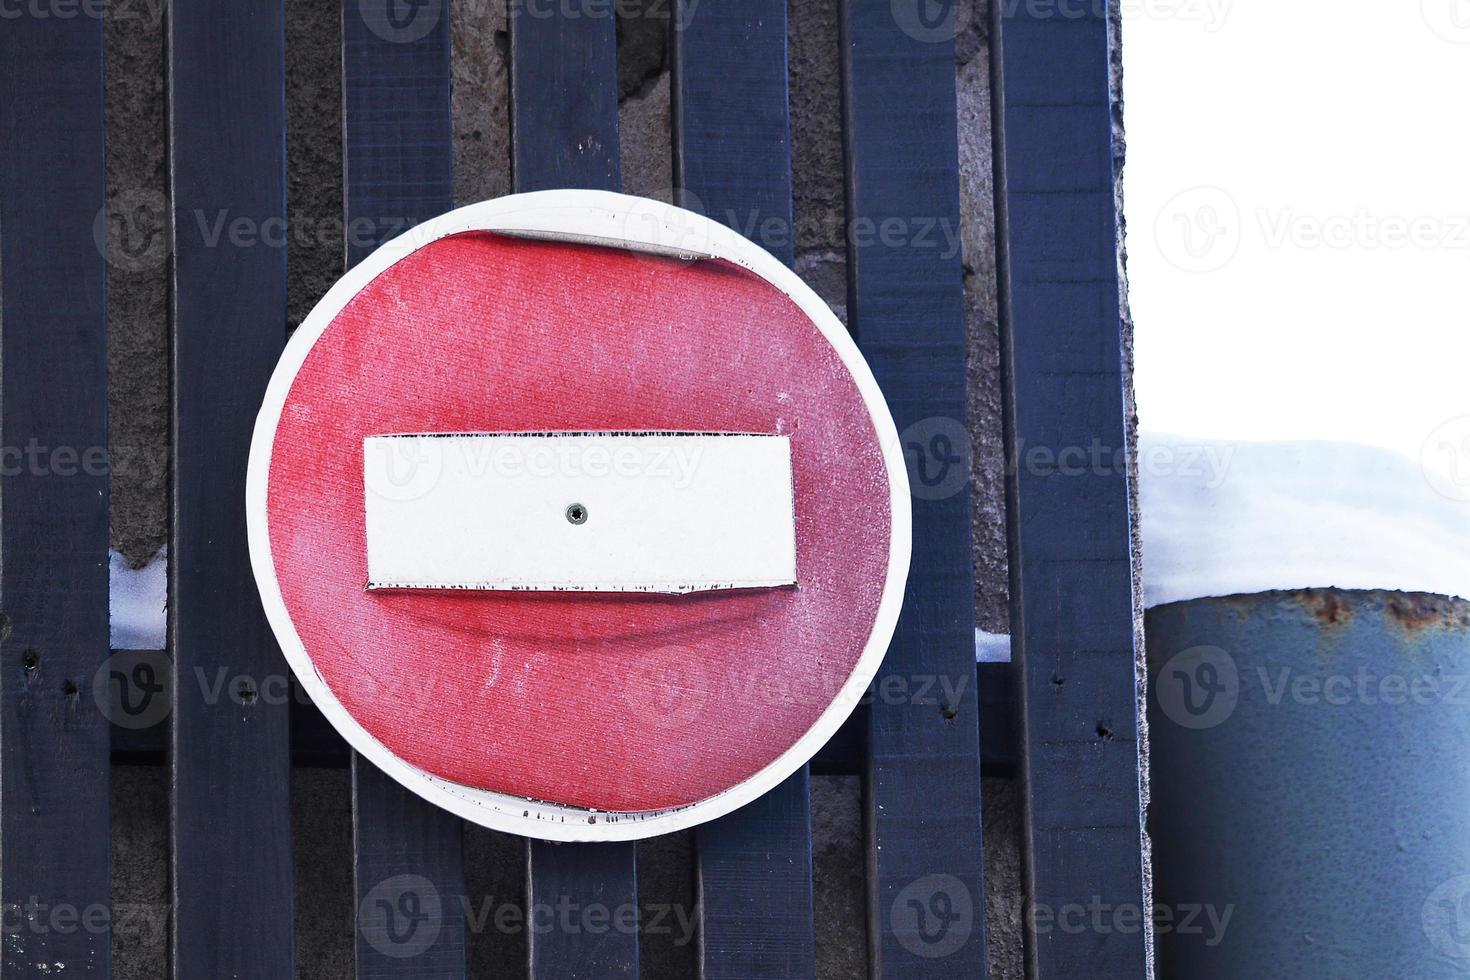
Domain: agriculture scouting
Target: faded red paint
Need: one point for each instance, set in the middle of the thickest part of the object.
(618, 702)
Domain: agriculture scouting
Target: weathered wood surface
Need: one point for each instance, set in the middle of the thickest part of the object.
(906, 305)
(397, 149)
(564, 126)
(230, 753)
(1071, 567)
(732, 159)
(54, 883)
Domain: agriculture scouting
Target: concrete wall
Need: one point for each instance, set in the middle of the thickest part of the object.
(138, 402)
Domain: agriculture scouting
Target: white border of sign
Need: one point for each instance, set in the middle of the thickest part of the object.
(618, 221)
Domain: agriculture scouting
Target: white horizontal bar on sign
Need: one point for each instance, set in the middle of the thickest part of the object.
(579, 511)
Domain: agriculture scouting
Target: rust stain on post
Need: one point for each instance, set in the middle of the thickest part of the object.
(1415, 611)
(1329, 607)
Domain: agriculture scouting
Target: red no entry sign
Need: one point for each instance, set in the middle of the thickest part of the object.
(579, 515)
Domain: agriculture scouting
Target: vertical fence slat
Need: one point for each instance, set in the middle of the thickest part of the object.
(232, 879)
(732, 153)
(398, 131)
(564, 882)
(1072, 586)
(732, 124)
(53, 636)
(409, 872)
(755, 888)
(564, 96)
(906, 304)
(564, 127)
(397, 151)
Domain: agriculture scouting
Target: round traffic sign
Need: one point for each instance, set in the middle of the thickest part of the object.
(579, 515)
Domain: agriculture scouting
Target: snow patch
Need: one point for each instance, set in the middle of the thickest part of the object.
(992, 648)
(139, 602)
(1225, 518)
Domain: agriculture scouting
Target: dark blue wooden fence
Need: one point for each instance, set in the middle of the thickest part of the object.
(231, 803)
(397, 152)
(230, 760)
(732, 160)
(1072, 614)
(53, 539)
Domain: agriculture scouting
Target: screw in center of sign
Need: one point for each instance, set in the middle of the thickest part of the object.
(576, 514)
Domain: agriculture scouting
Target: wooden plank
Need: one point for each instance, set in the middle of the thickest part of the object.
(732, 120)
(232, 879)
(582, 911)
(732, 160)
(408, 859)
(397, 152)
(755, 887)
(53, 539)
(906, 305)
(564, 97)
(564, 129)
(397, 136)
(1071, 568)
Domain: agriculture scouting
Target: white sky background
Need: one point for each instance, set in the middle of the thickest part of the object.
(1298, 200)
